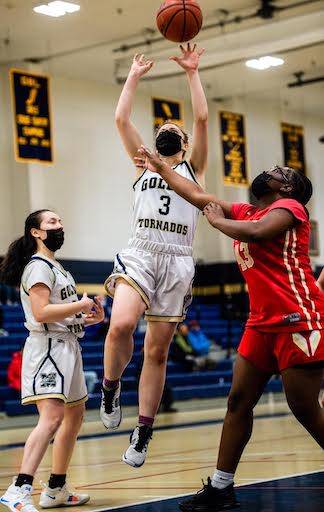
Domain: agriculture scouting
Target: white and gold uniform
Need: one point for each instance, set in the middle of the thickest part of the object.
(158, 262)
(52, 363)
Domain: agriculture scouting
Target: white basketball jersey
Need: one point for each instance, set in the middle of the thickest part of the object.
(62, 285)
(161, 215)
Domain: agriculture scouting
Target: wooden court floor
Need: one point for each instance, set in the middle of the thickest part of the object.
(183, 451)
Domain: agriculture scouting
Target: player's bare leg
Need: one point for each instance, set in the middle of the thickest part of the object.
(302, 387)
(127, 309)
(247, 388)
(56, 493)
(51, 413)
(66, 437)
(19, 493)
(156, 348)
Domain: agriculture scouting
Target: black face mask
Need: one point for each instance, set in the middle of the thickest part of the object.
(260, 186)
(168, 143)
(55, 239)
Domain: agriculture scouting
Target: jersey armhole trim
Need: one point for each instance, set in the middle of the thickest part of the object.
(137, 180)
(191, 171)
(45, 261)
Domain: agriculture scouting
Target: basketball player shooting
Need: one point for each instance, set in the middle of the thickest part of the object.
(154, 274)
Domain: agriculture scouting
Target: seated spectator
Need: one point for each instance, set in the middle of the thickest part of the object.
(181, 350)
(14, 372)
(198, 340)
(192, 357)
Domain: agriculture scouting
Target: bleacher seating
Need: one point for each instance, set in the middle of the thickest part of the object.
(184, 385)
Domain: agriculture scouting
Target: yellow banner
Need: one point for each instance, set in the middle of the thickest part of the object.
(234, 148)
(32, 117)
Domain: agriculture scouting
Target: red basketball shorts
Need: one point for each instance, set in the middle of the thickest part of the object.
(274, 352)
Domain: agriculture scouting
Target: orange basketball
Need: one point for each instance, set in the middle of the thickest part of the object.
(179, 20)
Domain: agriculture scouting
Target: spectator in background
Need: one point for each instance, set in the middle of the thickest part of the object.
(181, 350)
(14, 372)
(198, 340)
(193, 355)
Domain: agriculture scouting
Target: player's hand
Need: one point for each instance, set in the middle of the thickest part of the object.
(86, 304)
(149, 160)
(140, 66)
(97, 314)
(190, 57)
(213, 212)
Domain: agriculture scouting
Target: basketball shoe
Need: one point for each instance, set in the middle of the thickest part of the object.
(110, 410)
(136, 453)
(61, 497)
(210, 499)
(18, 499)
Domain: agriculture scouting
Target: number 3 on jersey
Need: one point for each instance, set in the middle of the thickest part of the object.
(166, 205)
(243, 256)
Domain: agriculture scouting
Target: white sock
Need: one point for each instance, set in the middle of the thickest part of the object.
(221, 479)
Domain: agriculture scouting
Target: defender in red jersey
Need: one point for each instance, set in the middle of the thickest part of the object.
(285, 328)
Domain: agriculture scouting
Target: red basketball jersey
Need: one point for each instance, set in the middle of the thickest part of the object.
(283, 293)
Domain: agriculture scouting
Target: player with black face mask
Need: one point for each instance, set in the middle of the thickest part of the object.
(168, 143)
(261, 185)
(285, 329)
(52, 370)
(154, 274)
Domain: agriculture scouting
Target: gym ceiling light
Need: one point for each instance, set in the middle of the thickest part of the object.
(264, 62)
(57, 8)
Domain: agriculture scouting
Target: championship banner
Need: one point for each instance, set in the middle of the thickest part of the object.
(293, 144)
(32, 121)
(167, 110)
(234, 148)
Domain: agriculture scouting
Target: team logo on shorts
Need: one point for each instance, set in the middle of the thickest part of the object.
(48, 380)
(309, 343)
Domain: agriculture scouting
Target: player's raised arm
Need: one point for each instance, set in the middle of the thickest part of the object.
(187, 189)
(128, 132)
(189, 61)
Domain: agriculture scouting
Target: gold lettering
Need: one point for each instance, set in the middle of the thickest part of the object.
(29, 81)
(32, 110)
(33, 131)
(40, 121)
(23, 119)
(34, 141)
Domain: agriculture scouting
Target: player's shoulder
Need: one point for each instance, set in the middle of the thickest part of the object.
(39, 266)
(298, 210)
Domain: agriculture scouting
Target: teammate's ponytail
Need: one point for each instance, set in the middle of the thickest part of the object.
(20, 251)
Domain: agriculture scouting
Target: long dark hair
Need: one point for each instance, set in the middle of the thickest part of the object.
(20, 251)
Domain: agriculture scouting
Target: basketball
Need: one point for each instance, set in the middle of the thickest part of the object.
(179, 20)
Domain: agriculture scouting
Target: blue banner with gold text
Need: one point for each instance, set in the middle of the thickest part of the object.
(234, 148)
(293, 145)
(167, 110)
(32, 117)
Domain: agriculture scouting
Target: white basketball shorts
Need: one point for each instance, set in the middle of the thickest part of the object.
(161, 273)
(52, 368)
